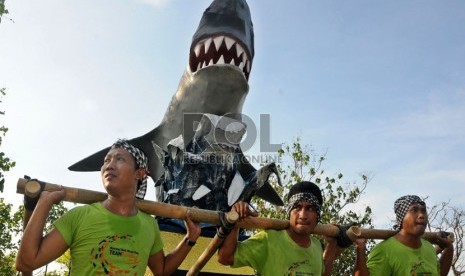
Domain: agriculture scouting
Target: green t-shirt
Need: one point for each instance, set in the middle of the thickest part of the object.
(103, 243)
(391, 257)
(273, 252)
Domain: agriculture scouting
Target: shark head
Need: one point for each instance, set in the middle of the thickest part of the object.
(220, 61)
(216, 78)
(224, 37)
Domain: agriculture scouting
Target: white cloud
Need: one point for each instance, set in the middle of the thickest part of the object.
(441, 116)
(155, 3)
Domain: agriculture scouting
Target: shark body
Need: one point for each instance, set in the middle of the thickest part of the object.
(214, 82)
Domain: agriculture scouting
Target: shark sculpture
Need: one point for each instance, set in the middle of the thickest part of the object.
(214, 82)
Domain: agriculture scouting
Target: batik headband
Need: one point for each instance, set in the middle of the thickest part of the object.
(141, 163)
(401, 207)
(299, 197)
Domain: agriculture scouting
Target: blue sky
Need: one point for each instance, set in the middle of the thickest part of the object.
(379, 85)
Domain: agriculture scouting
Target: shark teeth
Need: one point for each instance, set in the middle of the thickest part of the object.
(241, 65)
(197, 50)
(220, 50)
(239, 50)
(207, 44)
(221, 60)
(218, 41)
(229, 42)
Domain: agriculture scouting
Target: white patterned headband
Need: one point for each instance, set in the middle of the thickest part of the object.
(401, 206)
(299, 197)
(141, 163)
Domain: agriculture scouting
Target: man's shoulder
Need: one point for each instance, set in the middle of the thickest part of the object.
(426, 243)
(83, 208)
(142, 213)
(273, 232)
(428, 247)
(315, 239)
(269, 234)
(145, 216)
(387, 243)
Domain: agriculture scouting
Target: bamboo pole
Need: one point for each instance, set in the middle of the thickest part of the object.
(84, 196)
(356, 232)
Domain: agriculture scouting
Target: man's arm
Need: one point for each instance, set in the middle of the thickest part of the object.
(445, 261)
(160, 264)
(332, 251)
(36, 250)
(360, 267)
(227, 249)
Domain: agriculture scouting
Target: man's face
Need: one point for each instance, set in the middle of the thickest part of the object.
(415, 220)
(303, 218)
(119, 171)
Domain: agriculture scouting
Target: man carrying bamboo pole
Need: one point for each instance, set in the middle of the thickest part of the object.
(105, 238)
(406, 253)
(292, 251)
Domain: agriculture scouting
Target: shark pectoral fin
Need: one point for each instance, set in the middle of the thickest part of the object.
(257, 182)
(266, 192)
(235, 189)
(264, 173)
(259, 185)
(147, 143)
(90, 163)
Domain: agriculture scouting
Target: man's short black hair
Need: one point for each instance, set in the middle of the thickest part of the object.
(306, 187)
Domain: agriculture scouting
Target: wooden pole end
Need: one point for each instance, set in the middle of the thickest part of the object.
(232, 216)
(32, 189)
(353, 233)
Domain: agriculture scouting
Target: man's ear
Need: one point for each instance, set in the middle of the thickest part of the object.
(140, 173)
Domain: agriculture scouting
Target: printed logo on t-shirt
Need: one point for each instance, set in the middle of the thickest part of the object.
(294, 269)
(413, 270)
(115, 255)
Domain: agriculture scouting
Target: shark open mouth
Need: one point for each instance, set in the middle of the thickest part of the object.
(219, 50)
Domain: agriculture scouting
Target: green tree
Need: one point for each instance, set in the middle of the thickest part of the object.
(298, 162)
(445, 217)
(3, 10)
(11, 224)
(5, 163)
(57, 211)
(65, 261)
